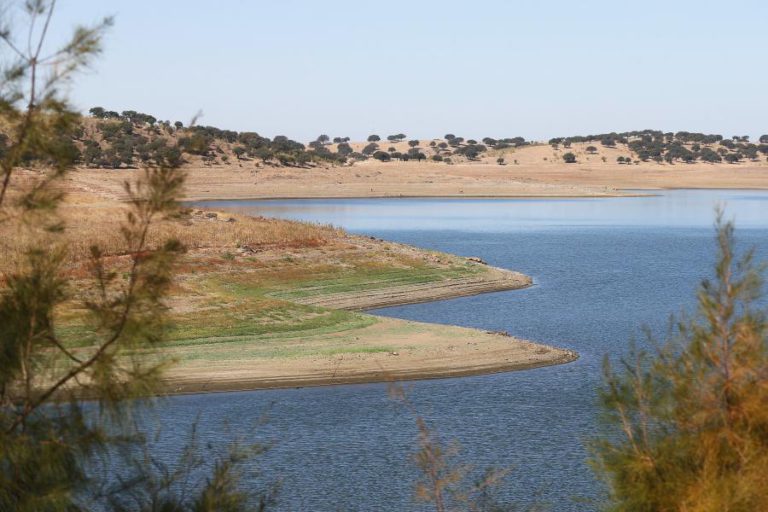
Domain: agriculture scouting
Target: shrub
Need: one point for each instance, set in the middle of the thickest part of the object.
(688, 418)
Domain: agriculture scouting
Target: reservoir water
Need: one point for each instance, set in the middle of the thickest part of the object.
(603, 269)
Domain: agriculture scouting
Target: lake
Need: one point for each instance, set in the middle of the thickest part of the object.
(603, 269)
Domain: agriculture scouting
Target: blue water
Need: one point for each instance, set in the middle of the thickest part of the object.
(603, 268)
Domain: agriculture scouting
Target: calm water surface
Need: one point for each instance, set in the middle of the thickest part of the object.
(602, 269)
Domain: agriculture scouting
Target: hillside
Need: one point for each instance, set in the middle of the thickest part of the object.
(107, 139)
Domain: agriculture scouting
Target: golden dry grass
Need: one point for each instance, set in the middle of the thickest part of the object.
(93, 220)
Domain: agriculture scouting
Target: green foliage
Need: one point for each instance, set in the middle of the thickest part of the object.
(671, 147)
(370, 148)
(688, 420)
(569, 158)
(49, 437)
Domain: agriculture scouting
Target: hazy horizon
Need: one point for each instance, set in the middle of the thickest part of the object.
(350, 69)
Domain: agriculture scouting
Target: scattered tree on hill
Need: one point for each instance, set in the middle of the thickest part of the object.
(591, 150)
(413, 143)
(374, 138)
(344, 149)
(323, 139)
(569, 158)
(382, 156)
(500, 160)
(370, 148)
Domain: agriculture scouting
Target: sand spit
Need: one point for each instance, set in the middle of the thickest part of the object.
(419, 351)
(493, 280)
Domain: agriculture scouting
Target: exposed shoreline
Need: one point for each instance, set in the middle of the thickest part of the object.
(193, 386)
(492, 280)
(425, 350)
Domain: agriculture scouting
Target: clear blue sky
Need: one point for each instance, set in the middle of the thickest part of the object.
(496, 68)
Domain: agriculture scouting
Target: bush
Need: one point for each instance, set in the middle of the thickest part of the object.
(688, 418)
(569, 158)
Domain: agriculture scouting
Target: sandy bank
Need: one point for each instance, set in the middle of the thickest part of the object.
(399, 350)
(544, 179)
(491, 280)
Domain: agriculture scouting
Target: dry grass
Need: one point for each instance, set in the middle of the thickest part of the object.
(93, 220)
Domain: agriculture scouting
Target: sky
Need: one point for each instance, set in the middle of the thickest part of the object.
(496, 68)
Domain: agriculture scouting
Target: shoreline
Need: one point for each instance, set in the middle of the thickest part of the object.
(412, 350)
(493, 279)
(191, 386)
(649, 189)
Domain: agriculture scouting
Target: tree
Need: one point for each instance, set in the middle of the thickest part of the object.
(413, 143)
(374, 138)
(687, 419)
(239, 151)
(591, 150)
(764, 139)
(569, 158)
(97, 112)
(323, 139)
(49, 438)
(500, 160)
(370, 148)
(382, 156)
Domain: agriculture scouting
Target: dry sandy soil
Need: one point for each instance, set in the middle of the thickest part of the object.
(418, 351)
(531, 171)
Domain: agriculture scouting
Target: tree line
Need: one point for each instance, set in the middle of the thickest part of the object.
(671, 147)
